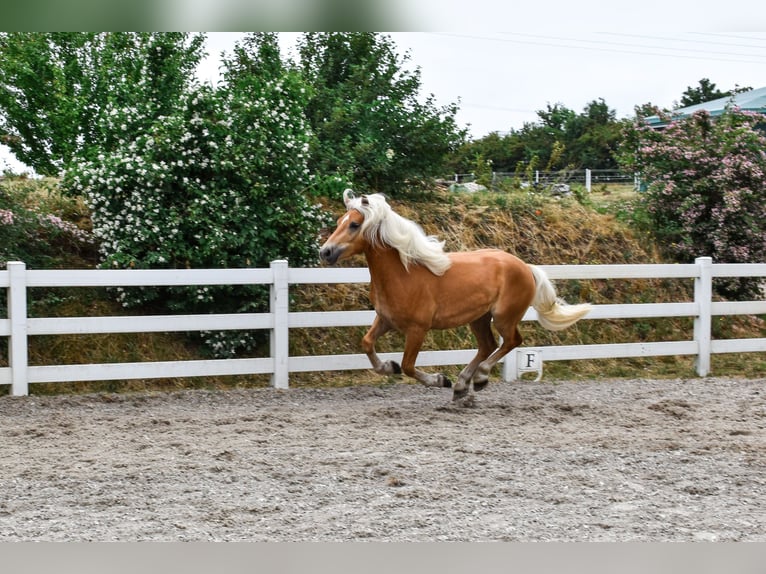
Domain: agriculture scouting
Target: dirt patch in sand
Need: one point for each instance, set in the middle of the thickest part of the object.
(608, 460)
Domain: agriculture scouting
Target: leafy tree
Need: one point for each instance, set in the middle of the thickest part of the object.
(55, 88)
(364, 111)
(216, 182)
(589, 139)
(706, 187)
(646, 110)
(257, 55)
(555, 118)
(593, 137)
(704, 92)
(539, 138)
(504, 152)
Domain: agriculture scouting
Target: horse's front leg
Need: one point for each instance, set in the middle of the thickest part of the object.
(379, 328)
(413, 342)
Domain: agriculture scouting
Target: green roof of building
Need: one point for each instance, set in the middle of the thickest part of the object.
(752, 100)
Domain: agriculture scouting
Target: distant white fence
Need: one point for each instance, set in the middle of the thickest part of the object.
(586, 177)
(18, 327)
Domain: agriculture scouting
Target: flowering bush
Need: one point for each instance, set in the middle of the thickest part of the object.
(216, 183)
(706, 190)
(6, 217)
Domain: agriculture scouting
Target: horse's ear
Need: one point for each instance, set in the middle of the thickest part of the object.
(348, 195)
(365, 201)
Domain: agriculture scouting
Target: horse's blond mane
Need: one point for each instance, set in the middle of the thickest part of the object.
(383, 226)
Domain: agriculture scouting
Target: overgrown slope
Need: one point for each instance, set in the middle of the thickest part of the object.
(542, 231)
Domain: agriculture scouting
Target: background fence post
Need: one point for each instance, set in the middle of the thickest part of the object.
(587, 180)
(280, 337)
(18, 354)
(703, 296)
(510, 367)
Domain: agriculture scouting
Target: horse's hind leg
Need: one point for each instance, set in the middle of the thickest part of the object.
(487, 344)
(511, 340)
(485, 339)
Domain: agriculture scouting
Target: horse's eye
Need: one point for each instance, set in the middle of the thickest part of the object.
(354, 225)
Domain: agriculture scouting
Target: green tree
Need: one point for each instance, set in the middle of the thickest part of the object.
(540, 137)
(257, 55)
(216, 182)
(502, 151)
(646, 110)
(592, 137)
(368, 121)
(704, 92)
(555, 118)
(56, 87)
(589, 139)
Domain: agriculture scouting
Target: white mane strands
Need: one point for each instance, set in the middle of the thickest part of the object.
(383, 226)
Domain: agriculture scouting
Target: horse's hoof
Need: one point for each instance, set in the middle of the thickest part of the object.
(459, 395)
(446, 383)
(481, 385)
(396, 369)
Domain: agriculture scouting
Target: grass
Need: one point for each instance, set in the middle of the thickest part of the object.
(538, 229)
(604, 196)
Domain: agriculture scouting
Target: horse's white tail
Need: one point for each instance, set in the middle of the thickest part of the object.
(553, 313)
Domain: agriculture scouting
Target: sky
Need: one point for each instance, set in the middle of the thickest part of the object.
(500, 79)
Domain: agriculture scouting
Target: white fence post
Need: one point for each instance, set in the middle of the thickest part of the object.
(587, 180)
(18, 357)
(703, 297)
(510, 368)
(280, 338)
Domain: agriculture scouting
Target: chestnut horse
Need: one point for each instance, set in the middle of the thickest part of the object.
(415, 286)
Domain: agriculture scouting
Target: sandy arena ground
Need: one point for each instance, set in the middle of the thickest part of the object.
(671, 460)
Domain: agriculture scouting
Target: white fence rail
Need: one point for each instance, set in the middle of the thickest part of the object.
(18, 327)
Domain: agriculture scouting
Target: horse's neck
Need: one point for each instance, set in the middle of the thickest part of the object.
(385, 267)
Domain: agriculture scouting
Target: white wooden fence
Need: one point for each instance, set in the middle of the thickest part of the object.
(18, 327)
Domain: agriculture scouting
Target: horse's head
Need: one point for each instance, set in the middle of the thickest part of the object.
(347, 239)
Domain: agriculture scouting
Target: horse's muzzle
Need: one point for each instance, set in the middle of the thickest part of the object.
(330, 254)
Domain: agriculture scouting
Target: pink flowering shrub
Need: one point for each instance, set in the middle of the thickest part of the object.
(706, 187)
(33, 236)
(6, 217)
